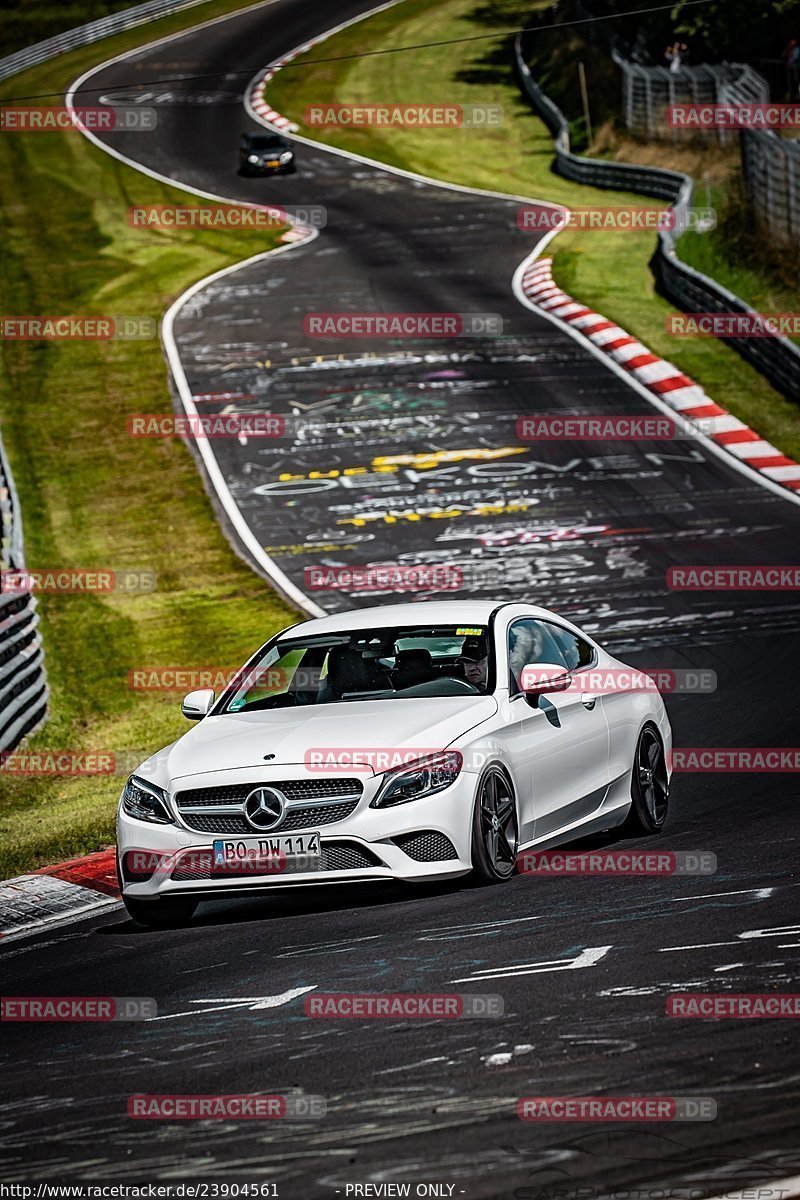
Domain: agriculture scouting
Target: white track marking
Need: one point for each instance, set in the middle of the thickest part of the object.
(586, 958)
(759, 893)
(698, 946)
(251, 1003)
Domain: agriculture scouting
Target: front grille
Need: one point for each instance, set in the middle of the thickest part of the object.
(296, 818)
(426, 846)
(293, 789)
(343, 794)
(336, 856)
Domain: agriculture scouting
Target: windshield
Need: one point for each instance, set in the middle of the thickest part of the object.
(370, 664)
(266, 143)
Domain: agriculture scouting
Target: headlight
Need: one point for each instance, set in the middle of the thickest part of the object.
(424, 778)
(145, 801)
(252, 158)
(287, 156)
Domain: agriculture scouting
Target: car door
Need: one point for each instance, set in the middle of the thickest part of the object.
(561, 745)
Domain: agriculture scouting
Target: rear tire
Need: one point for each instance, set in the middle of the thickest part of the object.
(649, 786)
(495, 829)
(168, 913)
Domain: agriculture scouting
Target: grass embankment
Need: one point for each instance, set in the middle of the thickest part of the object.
(92, 496)
(607, 269)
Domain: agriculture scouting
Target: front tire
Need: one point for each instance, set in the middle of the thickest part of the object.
(649, 786)
(168, 913)
(495, 829)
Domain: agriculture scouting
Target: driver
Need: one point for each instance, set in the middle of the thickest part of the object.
(474, 659)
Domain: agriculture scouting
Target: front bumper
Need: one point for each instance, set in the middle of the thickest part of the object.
(369, 845)
(262, 169)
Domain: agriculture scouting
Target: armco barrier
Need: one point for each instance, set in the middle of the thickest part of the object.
(23, 682)
(777, 358)
(94, 31)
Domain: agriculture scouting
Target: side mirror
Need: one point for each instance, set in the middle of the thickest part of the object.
(197, 704)
(538, 679)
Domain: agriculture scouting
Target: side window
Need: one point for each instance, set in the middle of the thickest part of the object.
(530, 641)
(576, 652)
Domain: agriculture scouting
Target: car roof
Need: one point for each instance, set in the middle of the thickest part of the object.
(434, 612)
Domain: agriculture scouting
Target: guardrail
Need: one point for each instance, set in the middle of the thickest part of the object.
(84, 35)
(776, 358)
(23, 682)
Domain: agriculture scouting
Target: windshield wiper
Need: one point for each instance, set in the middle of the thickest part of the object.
(367, 695)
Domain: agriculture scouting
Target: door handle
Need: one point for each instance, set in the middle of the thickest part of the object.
(588, 700)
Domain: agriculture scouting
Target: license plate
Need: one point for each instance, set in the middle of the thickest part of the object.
(287, 852)
(273, 162)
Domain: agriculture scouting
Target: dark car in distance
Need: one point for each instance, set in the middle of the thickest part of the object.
(265, 154)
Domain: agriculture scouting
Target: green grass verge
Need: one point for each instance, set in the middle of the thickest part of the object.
(90, 495)
(607, 270)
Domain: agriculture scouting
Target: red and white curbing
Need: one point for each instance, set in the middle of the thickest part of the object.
(256, 95)
(267, 113)
(81, 887)
(660, 377)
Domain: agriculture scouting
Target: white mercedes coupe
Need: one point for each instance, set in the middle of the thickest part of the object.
(406, 742)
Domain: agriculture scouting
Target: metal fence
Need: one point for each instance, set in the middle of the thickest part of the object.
(23, 683)
(776, 358)
(771, 170)
(94, 31)
(647, 93)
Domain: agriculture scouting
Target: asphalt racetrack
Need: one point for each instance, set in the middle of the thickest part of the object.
(584, 966)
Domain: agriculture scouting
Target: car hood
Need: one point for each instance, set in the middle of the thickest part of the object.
(237, 740)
